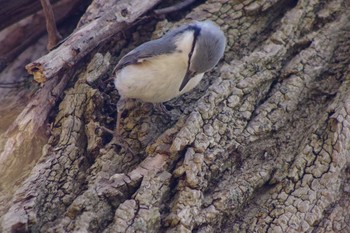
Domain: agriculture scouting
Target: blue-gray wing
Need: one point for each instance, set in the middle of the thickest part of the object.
(164, 45)
(147, 50)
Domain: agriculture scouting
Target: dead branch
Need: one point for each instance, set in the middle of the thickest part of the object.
(87, 38)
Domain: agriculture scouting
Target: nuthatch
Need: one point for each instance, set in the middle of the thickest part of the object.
(162, 69)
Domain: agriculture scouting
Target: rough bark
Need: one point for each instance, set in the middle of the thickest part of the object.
(260, 146)
(22, 139)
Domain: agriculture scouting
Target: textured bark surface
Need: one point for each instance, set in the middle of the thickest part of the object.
(22, 135)
(262, 145)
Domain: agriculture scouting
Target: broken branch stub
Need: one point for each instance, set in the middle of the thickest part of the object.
(53, 34)
(88, 37)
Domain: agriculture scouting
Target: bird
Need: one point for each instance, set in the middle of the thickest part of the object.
(162, 69)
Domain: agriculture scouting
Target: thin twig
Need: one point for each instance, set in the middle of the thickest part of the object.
(53, 34)
(174, 8)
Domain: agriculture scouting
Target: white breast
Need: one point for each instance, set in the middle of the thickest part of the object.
(158, 79)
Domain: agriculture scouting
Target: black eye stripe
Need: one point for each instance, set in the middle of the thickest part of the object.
(196, 32)
(195, 36)
(190, 73)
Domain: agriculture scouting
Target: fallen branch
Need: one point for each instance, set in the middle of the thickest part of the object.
(88, 37)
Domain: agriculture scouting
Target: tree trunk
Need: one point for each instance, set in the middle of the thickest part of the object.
(262, 145)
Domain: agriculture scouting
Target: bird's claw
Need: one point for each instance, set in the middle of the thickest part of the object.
(118, 140)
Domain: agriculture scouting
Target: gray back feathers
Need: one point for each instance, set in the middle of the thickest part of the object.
(163, 45)
(149, 49)
(209, 47)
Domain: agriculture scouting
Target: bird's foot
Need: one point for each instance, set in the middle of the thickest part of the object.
(118, 140)
(160, 107)
(105, 129)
